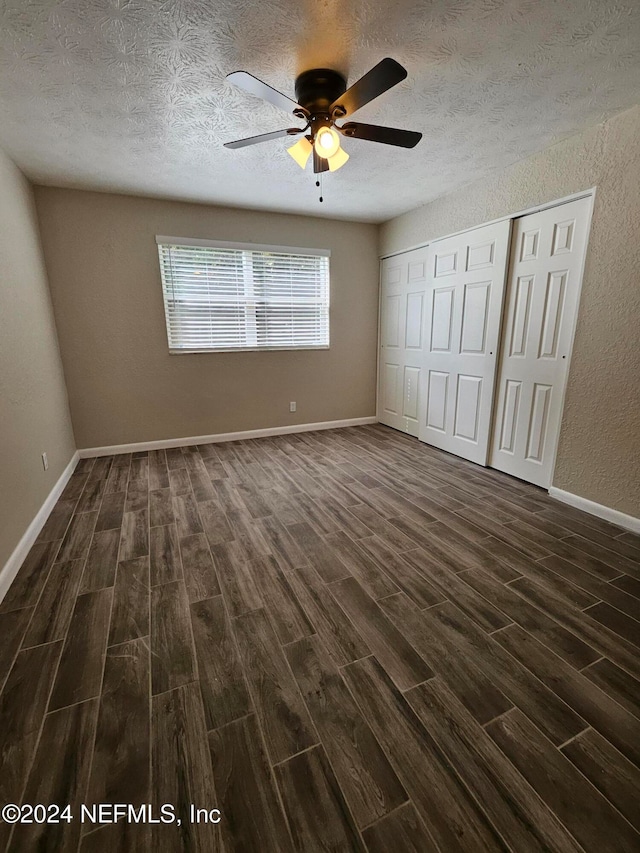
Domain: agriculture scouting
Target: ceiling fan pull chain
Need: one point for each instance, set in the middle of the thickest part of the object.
(320, 182)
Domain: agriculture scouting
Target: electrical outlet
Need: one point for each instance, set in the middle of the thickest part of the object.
(292, 407)
(45, 462)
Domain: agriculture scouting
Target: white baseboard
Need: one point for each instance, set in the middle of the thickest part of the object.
(111, 450)
(12, 566)
(629, 522)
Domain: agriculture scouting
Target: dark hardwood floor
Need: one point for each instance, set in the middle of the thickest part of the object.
(343, 640)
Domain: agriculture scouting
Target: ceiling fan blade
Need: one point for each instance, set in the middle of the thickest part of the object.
(256, 87)
(263, 137)
(320, 164)
(376, 133)
(379, 79)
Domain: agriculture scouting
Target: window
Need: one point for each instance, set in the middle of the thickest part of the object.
(232, 296)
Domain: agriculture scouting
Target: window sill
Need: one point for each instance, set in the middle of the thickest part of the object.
(246, 349)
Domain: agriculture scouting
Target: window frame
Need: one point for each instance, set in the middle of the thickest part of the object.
(162, 240)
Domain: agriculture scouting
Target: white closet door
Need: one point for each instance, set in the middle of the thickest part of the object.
(464, 304)
(544, 280)
(401, 352)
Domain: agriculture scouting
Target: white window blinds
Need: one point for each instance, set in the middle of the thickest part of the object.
(222, 296)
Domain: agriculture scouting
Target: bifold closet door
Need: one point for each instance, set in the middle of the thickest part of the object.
(401, 351)
(544, 281)
(464, 297)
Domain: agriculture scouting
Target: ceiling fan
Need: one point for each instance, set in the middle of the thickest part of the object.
(322, 98)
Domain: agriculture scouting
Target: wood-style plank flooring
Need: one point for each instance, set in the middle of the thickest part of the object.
(343, 640)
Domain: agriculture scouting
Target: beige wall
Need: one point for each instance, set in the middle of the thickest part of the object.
(599, 449)
(124, 386)
(34, 414)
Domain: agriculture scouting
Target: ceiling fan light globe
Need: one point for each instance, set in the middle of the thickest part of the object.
(301, 151)
(327, 143)
(338, 160)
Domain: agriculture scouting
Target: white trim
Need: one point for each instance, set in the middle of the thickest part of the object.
(379, 339)
(246, 349)
(12, 566)
(629, 522)
(545, 206)
(249, 247)
(111, 450)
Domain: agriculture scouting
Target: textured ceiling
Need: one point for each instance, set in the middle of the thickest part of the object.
(130, 96)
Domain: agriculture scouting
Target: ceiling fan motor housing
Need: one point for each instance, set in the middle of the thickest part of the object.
(316, 90)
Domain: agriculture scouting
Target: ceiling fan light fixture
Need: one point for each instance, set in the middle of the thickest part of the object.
(338, 160)
(327, 143)
(301, 151)
(322, 97)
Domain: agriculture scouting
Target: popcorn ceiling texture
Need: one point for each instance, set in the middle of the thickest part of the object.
(129, 95)
(599, 450)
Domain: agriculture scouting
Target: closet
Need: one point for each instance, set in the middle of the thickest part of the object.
(475, 338)
(547, 255)
(464, 304)
(401, 352)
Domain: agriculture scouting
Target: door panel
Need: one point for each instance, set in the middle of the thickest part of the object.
(392, 320)
(552, 317)
(474, 318)
(480, 256)
(542, 293)
(401, 352)
(411, 377)
(390, 388)
(437, 400)
(446, 263)
(463, 307)
(414, 320)
(441, 325)
(467, 411)
(417, 267)
(520, 321)
(537, 435)
(510, 415)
